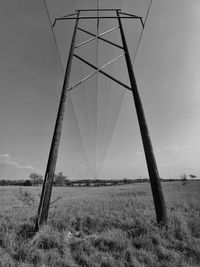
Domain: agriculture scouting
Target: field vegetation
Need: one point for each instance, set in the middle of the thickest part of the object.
(101, 226)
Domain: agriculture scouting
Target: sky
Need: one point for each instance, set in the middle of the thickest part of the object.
(100, 136)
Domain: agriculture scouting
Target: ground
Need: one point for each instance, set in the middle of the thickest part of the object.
(102, 226)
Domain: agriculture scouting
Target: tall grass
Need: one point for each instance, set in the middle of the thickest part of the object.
(117, 229)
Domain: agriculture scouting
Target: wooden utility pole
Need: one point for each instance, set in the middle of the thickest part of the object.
(159, 202)
(51, 165)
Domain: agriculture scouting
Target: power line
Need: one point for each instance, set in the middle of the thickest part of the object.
(62, 67)
(54, 37)
(147, 15)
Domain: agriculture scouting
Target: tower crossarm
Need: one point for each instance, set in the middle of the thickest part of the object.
(73, 16)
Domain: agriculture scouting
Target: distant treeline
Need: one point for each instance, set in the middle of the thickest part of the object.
(61, 180)
(98, 182)
(73, 183)
(13, 182)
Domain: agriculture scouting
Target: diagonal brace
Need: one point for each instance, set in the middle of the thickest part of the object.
(104, 73)
(103, 39)
(93, 73)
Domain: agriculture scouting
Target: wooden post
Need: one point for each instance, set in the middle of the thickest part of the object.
(51, 165)
(159, 202)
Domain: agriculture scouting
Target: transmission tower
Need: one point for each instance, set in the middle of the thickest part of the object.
(118, 15)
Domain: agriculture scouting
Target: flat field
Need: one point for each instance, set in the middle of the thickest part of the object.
(101, 226)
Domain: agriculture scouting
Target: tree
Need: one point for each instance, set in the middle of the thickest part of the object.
(60, 179)
(125, 181)
(184, 178)
(36, 178)
(27, 183)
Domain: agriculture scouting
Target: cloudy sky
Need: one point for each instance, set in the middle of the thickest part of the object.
(100, 132)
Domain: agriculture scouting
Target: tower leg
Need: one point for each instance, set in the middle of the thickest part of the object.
(158, 197)
(51, 165)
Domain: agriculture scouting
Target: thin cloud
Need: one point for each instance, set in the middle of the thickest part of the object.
(175, 148)
(158, 150)
(4, 155)
(6, 161)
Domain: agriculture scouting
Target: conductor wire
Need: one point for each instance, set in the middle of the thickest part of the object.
(147, 15)
(54, 37)
(63, 70)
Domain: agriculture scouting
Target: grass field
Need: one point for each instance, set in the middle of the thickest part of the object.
(101, 226)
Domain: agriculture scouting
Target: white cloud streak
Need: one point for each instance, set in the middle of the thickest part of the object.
(6, 161)
(174, 148)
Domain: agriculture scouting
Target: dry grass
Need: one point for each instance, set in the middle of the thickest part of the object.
(112, 226)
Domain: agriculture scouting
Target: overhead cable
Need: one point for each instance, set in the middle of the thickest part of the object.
(54, 37)
(146, 17)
